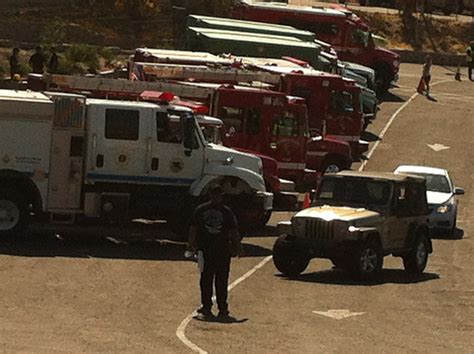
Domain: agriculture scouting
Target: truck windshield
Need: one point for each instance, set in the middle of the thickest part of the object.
(211, 133)
(353, 191)
(287, 125)
(360, 37)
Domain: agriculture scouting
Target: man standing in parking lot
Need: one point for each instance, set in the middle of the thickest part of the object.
(470, 59)
(215, 238)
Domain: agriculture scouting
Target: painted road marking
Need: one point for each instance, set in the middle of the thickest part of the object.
(180, 332)
(389, 123)
(338, 314)
(438, 147)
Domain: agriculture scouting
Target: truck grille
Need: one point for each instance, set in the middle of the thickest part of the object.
(319, 229)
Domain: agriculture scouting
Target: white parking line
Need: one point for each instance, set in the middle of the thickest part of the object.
(389, 123)
(180, 332)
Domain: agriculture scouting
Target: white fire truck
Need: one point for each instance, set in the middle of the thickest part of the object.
(68, 159)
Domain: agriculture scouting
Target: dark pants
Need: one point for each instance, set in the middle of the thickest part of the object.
(469, 70)
(215, 272)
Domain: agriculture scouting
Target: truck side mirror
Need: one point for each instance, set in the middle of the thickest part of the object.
(189, 140)
(458, 191)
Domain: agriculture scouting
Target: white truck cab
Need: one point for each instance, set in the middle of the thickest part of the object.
(73, 158)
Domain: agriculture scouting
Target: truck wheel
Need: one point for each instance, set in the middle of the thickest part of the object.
(415, 261)
(179, 227)
(332, 165)
(288, 258)
(367, 260)
(383, 80)
(264, 217)
(13, 213)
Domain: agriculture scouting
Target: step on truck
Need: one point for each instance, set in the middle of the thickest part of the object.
(349, 34)
(68, 159)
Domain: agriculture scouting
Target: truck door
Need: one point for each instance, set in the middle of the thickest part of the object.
(67, 153)
(169, 161)
(341, 122)
(118, 138)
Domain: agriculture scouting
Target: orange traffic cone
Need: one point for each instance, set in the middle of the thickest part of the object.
(307, 201)
(457, 76)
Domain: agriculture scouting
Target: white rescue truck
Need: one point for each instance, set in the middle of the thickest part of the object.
(68, 159)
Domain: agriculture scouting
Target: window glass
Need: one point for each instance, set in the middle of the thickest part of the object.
(354, 191)
(233, 118)
(122, 124)
(435, 183)
(360, 37)
(253, 121)
(168, 128)
(286, 125)
(342, 101)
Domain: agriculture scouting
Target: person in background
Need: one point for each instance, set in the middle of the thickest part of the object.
(37, 61)
(215, 238)
(426, 75)
(14, 63)
(470, 59)
(53, 61)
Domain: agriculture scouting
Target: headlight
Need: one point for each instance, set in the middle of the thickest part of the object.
(396, 63)
(443, 209)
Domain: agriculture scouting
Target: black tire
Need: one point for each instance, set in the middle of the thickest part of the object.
(415, 261)
(13, 213)
(288, 258)
(264, 218)
(367, 260)
(383, 79)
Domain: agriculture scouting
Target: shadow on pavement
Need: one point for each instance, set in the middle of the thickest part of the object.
(369, 136)
(266, 231)
(224, 320)
(390, 97)
(102, 246)
(458, 234)
(387, 276)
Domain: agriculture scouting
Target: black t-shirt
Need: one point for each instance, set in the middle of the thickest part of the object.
(213, 223)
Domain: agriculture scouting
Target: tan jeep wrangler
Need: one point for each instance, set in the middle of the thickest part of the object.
(357, 219)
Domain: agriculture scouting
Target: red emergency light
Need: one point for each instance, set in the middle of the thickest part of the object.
(157, 96)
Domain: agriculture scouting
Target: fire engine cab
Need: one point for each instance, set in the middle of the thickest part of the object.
(67, 159)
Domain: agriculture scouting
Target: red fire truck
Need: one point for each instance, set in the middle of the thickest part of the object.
(266, 121)
(333, 102)
(349, 34)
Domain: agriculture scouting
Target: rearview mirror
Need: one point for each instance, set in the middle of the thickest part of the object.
(458, 191)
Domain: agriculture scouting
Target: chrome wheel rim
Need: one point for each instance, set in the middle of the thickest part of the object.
(9, 215)
(421, 254)
(368, 260)
(332, 168)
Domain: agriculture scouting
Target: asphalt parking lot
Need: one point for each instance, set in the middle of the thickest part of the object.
(109, 293)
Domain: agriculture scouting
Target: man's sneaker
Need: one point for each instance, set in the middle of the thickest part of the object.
(205, 312)
(223, 314)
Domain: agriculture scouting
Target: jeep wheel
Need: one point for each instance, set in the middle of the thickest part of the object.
(288, 258)
(368, 259)
(415, 261)
(13, 212)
